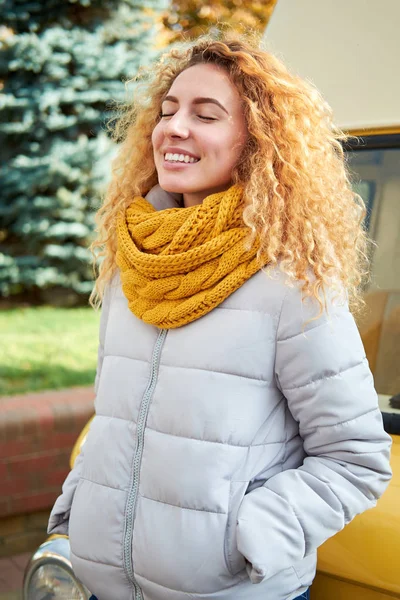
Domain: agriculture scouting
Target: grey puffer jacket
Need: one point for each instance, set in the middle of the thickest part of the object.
(224, 452)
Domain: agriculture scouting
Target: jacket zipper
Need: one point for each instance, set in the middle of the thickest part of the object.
(137, 460)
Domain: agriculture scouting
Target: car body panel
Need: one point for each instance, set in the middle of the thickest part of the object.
(330, 587)
(366, 552)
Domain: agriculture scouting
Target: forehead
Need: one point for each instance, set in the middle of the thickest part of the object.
(204, 80)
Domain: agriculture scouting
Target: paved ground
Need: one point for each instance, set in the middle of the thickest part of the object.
(11, 576)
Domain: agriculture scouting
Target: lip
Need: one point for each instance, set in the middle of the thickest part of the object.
(176, 166)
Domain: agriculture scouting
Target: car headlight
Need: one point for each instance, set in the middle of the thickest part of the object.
(49, 574)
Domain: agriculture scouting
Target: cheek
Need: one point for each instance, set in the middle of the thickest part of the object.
(237, 145)
(156, 137)
(229, 144)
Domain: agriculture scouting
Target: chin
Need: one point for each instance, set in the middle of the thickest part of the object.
(175, 187)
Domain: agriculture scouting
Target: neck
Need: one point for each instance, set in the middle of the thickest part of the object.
(197, 198)
(192, 200)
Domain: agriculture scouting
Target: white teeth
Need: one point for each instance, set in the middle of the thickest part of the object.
(180, 158)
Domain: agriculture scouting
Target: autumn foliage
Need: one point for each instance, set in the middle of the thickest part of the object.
(191, 18)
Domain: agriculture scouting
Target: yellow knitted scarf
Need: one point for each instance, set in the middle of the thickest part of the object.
(178, 264)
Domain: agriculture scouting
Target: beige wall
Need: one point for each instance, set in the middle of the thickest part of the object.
(350, 49)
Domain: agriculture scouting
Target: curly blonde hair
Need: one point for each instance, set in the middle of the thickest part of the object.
(296, 188)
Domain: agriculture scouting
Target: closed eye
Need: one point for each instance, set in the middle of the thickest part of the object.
(163, 116)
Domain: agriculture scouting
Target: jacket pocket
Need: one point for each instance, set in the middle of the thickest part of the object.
(235, 562)
(305, 569)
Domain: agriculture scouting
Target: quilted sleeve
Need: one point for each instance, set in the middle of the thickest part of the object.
(59, 517)
(322, 371)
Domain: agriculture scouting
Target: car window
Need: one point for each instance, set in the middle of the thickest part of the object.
(376, 174)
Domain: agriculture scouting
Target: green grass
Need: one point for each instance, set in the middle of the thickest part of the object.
(47, 348)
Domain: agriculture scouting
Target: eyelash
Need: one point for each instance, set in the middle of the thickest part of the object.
(200, 117)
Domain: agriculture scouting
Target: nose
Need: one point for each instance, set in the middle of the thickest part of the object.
(177, 126)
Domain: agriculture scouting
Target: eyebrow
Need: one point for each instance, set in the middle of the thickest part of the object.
(197, 101)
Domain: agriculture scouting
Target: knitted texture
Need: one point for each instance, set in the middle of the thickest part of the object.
(178, 264)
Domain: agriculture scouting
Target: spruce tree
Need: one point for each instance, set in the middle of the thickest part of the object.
(61, 64)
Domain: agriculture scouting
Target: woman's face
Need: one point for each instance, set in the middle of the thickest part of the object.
(200, 135)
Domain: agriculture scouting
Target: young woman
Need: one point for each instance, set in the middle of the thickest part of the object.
(237, 426)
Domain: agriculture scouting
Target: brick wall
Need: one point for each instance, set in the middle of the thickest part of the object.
(23, 533)
(37, 432)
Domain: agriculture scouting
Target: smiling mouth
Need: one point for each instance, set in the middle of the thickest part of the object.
(180, 158)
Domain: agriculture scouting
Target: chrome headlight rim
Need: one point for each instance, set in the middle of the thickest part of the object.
(52, 552)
